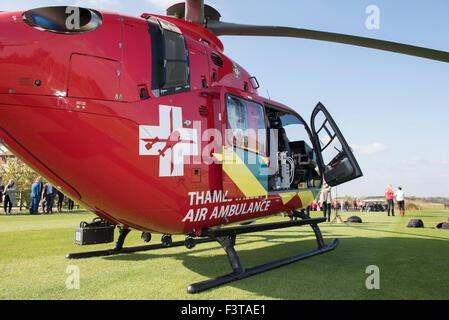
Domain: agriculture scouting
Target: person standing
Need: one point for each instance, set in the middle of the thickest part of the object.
(389, 197)
(400, 201)
(2, 187)
(60, 201)
(43, 195)
(50, 194)
(35, 195)
(326, 200)
(70, 204)
(9, 196)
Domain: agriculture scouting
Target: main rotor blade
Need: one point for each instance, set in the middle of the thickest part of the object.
(233, 29)
(195, 11)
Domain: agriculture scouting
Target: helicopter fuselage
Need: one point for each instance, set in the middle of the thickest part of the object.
(129, 119)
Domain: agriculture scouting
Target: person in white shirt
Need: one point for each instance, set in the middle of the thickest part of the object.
(400, 201)
(326, 200)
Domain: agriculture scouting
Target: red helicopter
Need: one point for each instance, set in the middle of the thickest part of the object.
(145, 122)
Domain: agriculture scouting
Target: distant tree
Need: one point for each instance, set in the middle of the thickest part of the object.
(17, 170)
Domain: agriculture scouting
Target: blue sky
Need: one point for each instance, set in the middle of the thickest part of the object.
(393, 109)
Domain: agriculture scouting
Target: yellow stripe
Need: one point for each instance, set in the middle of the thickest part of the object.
(306, 197)
(239, 173)
(265, 159)
(218, 156)
(287, 196)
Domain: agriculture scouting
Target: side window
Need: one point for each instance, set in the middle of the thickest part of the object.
(237, 116)
(246, 125)
(175, 60)
(257, 124)
(170, 58)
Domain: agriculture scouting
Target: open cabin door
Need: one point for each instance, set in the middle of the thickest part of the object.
(336, 158)
(244, 158)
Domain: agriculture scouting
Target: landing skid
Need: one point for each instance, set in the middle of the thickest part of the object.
(226, 237)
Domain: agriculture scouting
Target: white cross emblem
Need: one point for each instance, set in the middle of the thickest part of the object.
(170, 141)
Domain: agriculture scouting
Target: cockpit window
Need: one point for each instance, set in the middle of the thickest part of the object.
(246, 124)
(66, 20)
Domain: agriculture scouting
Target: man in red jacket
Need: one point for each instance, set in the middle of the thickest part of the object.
(389, 197)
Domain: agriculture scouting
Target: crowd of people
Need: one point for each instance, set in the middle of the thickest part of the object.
(326, 204)
(48, 194)
(42, 194)
(345, 205)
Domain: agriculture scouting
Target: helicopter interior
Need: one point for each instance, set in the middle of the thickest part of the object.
(292, 162)
(292, 159)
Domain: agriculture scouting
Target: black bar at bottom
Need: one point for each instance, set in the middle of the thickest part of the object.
(211, 283)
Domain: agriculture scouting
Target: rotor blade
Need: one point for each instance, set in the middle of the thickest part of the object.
(195, 11)
(233, 29)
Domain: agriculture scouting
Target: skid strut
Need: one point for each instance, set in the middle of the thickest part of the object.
(226, 237)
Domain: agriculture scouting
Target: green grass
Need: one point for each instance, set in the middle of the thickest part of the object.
(413, 263)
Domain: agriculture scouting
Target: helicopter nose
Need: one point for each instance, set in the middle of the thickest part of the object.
(32, 72)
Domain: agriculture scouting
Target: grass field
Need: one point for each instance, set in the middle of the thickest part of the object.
(413, 262)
